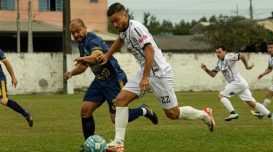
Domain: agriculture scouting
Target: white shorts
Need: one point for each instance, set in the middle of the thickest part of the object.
(240, 89)
(162, 88)
(271, 88)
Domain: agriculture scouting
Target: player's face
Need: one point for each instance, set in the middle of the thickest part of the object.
(270, 49)
(119, 21)
(78, 32)
(220, 53)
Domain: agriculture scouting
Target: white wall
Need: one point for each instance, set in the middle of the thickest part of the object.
(43, 72)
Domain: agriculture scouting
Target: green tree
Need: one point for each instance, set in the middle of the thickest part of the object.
(152, 23)
(182, 28)
(236, 33)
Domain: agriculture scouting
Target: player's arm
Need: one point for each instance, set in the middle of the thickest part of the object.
(91, 59)
(79, 68)
(11, 72)
(212, 73)
(243, 57)
(103, 58)
(266, 71)
(149, 59)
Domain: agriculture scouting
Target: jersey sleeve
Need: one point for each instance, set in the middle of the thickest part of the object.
(141, 35)
(232, 57)
(2, 55)
(216, 67)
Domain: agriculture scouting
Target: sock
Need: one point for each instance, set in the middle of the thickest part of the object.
(88, 127)
(261, 108)
(267, 102)
(227, 104)
(187, 112)
(135, 113)
(16, 107)
(121, 122)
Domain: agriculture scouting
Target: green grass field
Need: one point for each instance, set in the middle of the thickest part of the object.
(57, 126)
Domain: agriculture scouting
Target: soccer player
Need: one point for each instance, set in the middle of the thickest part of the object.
(268, 96)
(3, 86)
(109, 78)
(237, 85)
(155, 73)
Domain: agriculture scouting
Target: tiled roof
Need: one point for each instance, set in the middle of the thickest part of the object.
(188, 43)
(10, 26)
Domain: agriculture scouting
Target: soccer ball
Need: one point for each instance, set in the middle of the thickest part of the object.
(95, 143)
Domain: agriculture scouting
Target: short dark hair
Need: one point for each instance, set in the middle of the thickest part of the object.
(114, 8)
(270, 43)
(221, 46)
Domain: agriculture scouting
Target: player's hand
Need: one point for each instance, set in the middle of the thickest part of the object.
(260, 76)
(102, 58)
(67, 75)
(14, 82)
(250, 66)
(78, 60)
(144, 84)
(203, 66)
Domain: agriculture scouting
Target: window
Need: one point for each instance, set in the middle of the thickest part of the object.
(51, 5)
(7, 4)
(93, 1)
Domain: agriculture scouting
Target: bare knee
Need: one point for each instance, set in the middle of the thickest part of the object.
(120, 101)
(220, 97)
(252, 104)
(4, 101)
(85, 112)
(172, 113)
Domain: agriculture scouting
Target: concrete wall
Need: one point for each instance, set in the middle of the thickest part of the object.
(43, 72)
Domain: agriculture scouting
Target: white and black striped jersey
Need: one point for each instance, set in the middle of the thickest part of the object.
(270, 62)
(136, 37)
(228, 68)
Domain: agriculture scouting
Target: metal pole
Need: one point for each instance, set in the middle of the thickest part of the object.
(30, 39)
(18, 28)
(251, 10)
(66, 43)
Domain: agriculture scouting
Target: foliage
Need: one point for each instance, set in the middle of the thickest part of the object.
(237, 33)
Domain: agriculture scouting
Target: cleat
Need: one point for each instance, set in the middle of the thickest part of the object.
(257, 114)
(115, 146)
(29, 120)
(209, 120)
(232, 116)
(150, 114)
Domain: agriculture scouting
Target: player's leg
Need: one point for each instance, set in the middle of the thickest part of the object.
(246, 96)
(266, 103)
(164, 90)
(111, 92)
(92, 99)
(13, 104)
(230, 89)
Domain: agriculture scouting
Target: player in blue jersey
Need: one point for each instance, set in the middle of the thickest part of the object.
(3, 87)
(109, 78)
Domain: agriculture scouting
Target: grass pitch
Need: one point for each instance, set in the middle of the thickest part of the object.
(57, 126)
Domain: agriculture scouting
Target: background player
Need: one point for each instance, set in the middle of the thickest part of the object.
(268, 96)
(3, 86)
(237, 85)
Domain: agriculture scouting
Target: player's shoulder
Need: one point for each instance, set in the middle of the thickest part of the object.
(135, 24)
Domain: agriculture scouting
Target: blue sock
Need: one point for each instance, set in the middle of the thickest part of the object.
(135, 113)
(16, 107)
(88, 127)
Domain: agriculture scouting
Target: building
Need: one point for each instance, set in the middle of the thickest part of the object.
(47, 22)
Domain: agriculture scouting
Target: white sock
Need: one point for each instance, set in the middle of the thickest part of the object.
(144, 111)
(121, 122)
(267, 102)
(227, 104)
(261, 108)
(187, 112)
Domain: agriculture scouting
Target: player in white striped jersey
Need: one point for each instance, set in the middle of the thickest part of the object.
(237, 85)
(268, 96)
(155, 73)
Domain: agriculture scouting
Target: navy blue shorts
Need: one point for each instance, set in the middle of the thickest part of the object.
(98, 92)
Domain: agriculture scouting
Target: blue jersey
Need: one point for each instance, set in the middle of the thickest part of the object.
(2, 57)
(108, 72)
